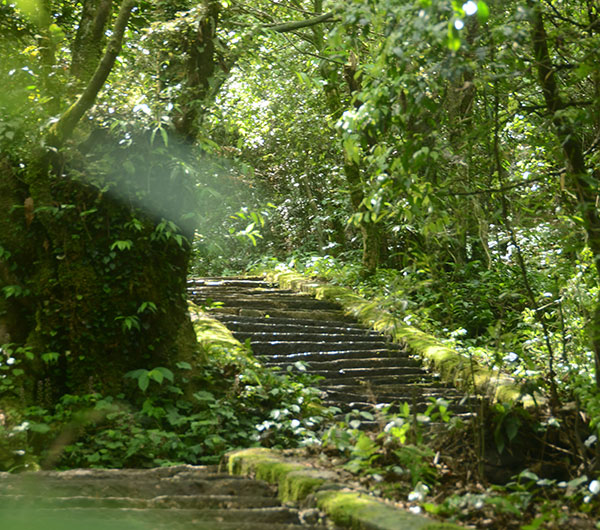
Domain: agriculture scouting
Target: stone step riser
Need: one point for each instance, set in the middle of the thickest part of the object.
(344, 364)
(268, 304)
(281, 347)
(228, 282)
(373, 380)
(275, 329)
(312, 315)
(353, 338)
(366, 373)
(276, 321)
(334, 355)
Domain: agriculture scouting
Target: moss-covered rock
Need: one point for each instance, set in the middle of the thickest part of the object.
(347, 507)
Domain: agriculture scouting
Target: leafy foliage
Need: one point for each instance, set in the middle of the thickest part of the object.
(166, 417)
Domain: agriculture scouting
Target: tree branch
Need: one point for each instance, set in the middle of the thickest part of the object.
(66, 124)
(298, 24)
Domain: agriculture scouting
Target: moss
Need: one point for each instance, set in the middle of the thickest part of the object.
(295, 481)
(360, 511)
(300, 484)
(210, 331)
(350, 509)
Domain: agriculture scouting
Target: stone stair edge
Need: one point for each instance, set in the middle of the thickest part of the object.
(346, 505)
(452, 366)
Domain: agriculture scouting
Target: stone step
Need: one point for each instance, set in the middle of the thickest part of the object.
(232, 292)
(374, 380)
(358, 394)
(425, 389)
(114, 487)
(279, 347)
(354, 338)
(333, 355)
(313, 315)
(267, 516)
(345, 364)
(369, 373)
(244, 320)
(170, 498)
(195, 502)
(254, 282)
(266, 326)
(270, 303)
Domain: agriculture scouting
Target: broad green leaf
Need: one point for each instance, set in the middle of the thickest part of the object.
(483, 12)
(166, 373)
(143, 382)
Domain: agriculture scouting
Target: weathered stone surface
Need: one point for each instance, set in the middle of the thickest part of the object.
(170, 498)
(359, 367)
(344, 503)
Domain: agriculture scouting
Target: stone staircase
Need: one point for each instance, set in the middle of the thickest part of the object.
(169, 498)
(360, 367)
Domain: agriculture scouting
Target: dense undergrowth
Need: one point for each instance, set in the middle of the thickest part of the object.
(508, 467)
(191, 415)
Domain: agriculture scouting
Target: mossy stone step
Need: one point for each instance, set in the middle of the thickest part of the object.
(243, 320)
(274, 347)
(270, 302)
(326, 356)
(172, 498)
(344, 364)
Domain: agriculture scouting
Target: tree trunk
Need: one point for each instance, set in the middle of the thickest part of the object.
(93, 262)
(372, 233)
(103, 270)
(90, 38)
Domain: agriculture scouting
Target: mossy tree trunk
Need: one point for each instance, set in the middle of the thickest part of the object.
(94, 251)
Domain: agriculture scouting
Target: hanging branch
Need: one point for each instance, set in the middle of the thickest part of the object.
(64, 127)
(298, 24)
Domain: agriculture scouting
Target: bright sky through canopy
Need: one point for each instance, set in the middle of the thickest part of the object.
(470, 7)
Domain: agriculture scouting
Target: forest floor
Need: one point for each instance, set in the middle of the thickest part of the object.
(461, 496)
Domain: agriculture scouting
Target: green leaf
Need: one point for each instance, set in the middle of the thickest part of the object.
(165, 137)
(39, 427)
(156, 375)
(147, 306)
(483, 12)
(165, 372)
(124, 244)
(143, 382)
(511, 425)
(182, 365)
(453, 40)
(50, 357)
